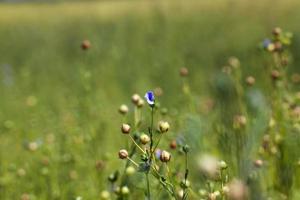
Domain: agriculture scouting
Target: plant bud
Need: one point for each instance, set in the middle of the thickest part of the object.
(164, 111)
(125, 128)
(144, 139)
(250, 80)
(163, 126)
(130, 170)
(276, 31)
(184, 72)
(140, 103)
(239, 121)
(158, 92)
(32, 146)
(271, 47)
(234, 62)
(113, 177)
(123, 109)
(275, 74)
(123, 154)
(165, 156)
(237, 190)
(135, 99)
(185, 184)
(173, 144)
(258, 163)
(25, 196)
(105, 195)
(202, 192)
(85, 44)
(180, 193)
(125, 190)
(100, 164)
(222, 165)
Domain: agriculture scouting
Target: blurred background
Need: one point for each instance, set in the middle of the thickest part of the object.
(55, 92)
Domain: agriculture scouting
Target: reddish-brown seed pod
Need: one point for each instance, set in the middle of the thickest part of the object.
(123, 154)
(125, 128)
(278, 46)
(275, 74)
(173, 144)
(165, 156)
(86, 44)
(184, 71)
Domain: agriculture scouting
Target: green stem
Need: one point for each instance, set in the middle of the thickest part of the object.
(148, 187)
(151, 135)
(185, 176)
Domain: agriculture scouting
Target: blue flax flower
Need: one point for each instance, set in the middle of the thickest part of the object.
(149, 96)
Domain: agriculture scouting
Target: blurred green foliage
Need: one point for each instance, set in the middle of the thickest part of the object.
(54, 92)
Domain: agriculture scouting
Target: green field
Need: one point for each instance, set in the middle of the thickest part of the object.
(65, 100)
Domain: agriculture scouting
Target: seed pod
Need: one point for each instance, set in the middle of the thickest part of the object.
(237, 190)
(163, 126)
(105, 195)
(140, 103)
(275, 74)
(271, 47)
(100, 164)
(130, 170)
(125, 190)
(173, 144)
(125, 128)
(234, 62)
(123, 154)
(250, 80)
(258, 163)
(85, 44)
(276, 31)
(165, 156)
(144, 139)
(135, 99)
(158, 92)
(184, 72)
(25, 196)
(222, 165)
(123, 109)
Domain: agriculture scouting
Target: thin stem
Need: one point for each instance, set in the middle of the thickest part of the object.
(151, 135)
(172, 186)
(127, 164)
(157, 142)
(136, 144)
(151, 130)
(165, 184)
(133, 162)
(185, 176)
(148, 187)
